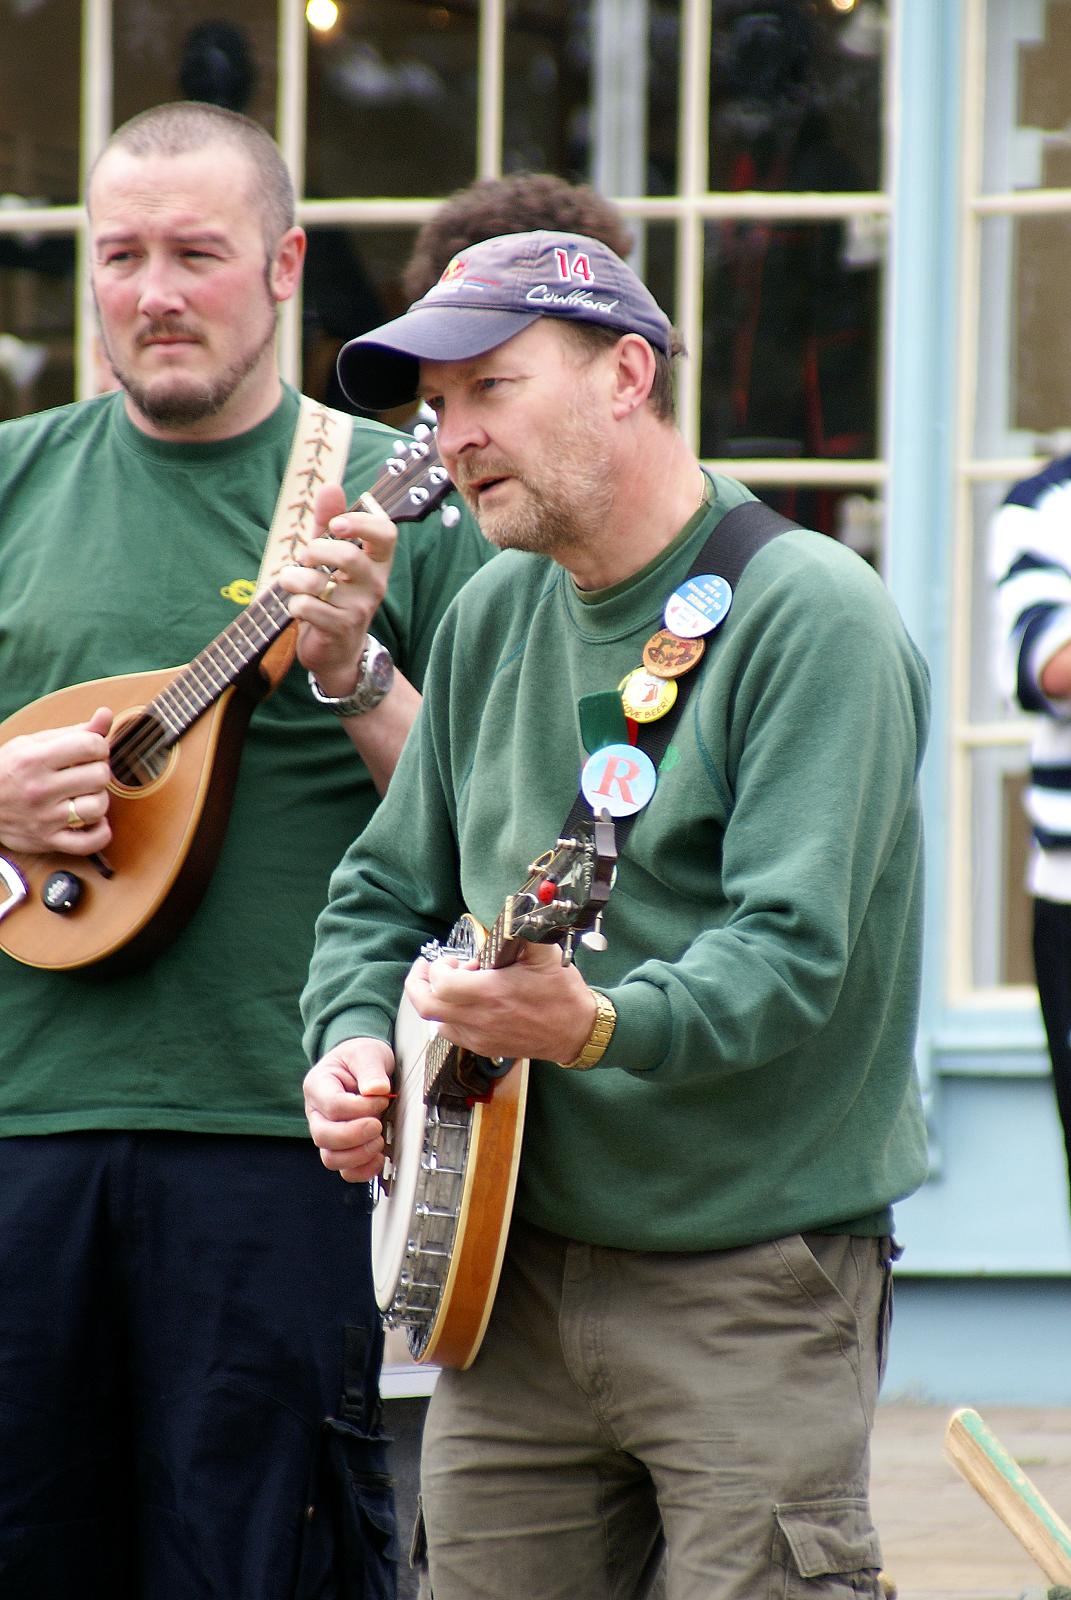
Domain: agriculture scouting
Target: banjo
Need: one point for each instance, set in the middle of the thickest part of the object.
(453, 1134)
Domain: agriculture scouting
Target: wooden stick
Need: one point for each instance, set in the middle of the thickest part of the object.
(1004, 1487)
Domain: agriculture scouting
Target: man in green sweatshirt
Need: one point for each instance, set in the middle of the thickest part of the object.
(689, 1329)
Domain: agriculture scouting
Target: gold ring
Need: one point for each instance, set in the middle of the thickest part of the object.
(74, 821)
(328, 590)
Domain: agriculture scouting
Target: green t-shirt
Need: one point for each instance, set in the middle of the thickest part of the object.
(121, 553)
(765, 927)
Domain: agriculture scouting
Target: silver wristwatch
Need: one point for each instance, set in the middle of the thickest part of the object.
(375, 674)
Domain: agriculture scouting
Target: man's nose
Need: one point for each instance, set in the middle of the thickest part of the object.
(459, 429)
(160, 292)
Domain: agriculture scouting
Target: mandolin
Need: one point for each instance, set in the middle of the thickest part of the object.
(453, 1133)
(174, 751)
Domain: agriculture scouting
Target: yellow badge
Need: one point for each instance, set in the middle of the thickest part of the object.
(645, 697)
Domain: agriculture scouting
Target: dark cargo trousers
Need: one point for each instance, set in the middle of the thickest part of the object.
(189, 1356)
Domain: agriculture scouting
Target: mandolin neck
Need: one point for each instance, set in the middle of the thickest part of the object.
(412, 483)
(219, 665)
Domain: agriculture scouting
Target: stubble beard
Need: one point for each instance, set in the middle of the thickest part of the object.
(558, 516)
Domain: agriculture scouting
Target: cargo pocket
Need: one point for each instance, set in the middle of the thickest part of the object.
(351, 1540)
(360, 1491)
(825, 1550)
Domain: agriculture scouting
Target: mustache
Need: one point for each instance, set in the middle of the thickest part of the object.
(164, 328)
(471, 472)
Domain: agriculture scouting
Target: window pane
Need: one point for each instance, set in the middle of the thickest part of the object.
(392, 101)
(1028, 49)
(796, 96)
(1023, 396)
(36, 322)
(790, 339)
(230, 63)
(40, 97)
(592, 92)
(1000, 844)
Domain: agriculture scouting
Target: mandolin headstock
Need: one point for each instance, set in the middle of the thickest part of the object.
(413, 480)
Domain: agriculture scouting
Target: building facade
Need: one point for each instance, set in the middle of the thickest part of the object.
(857, 213)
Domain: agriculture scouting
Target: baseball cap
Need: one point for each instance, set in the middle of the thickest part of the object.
(488, 293)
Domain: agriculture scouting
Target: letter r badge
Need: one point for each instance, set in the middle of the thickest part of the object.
(620, 778)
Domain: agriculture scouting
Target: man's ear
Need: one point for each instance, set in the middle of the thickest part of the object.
(634, 374)
(287, 263)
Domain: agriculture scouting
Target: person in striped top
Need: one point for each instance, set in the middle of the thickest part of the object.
(1032, 558)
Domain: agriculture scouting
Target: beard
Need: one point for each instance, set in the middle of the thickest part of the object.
(174, 400)
(555, 512)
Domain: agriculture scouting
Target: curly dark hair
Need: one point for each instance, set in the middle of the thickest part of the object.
(519, 203)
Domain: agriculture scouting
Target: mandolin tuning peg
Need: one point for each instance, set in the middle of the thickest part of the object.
(421, 431)
(400, 447)
(451, 517)
(595, 939)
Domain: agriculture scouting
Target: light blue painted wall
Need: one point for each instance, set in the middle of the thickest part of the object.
(984, 1288)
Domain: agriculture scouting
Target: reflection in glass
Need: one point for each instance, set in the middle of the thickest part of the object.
(1000, 843)
(790, 339)
(40, 98)
(796, 96)
(392, 101)
(188, 54)
(1028, 67)
(593, 92)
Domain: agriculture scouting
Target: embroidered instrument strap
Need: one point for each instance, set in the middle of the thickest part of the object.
(318, 455)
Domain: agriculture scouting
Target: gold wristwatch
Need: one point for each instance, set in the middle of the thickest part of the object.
(602, 1031)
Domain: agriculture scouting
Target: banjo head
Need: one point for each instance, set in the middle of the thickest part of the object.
(393, 1217)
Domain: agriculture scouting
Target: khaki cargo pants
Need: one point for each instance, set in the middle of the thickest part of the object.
(715, 1408)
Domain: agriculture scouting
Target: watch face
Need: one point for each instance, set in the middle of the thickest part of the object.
(378, 671)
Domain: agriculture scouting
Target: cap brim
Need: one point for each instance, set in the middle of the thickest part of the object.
(381, 369)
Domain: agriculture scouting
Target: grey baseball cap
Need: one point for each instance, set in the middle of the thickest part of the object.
(490, 292)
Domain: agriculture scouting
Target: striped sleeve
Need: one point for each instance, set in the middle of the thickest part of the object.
(1031, 540)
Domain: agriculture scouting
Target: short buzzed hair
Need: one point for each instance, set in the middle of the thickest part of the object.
(181, 126)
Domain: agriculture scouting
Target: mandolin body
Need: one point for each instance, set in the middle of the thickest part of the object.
(166, 832)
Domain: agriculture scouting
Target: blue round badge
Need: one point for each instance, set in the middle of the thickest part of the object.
(618, 778)
(698, 605)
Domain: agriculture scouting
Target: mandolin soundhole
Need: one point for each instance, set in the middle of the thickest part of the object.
(139, 752)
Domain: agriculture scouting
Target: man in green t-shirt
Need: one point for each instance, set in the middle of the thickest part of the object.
(689, 1327)
(186, 1292)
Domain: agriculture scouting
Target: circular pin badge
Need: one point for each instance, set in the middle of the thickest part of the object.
(646, 697)
(698, 605)
(667, 655)
(619, 779)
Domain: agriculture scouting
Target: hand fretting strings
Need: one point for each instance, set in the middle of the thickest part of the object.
(165, 719)
(433, 1060)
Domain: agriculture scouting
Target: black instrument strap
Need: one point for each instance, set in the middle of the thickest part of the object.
(740, 533)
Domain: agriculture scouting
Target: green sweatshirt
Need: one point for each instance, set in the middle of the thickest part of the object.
(764, 929)
(119, 553)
